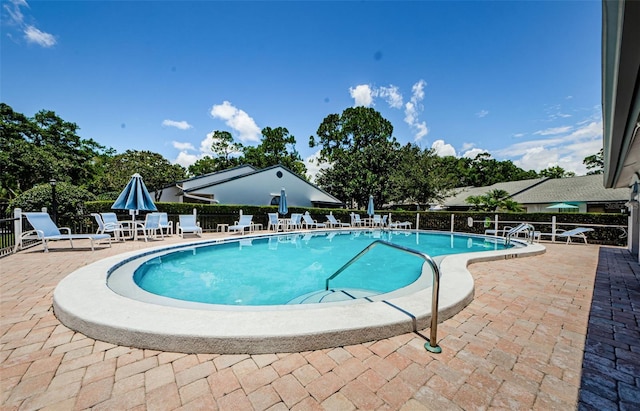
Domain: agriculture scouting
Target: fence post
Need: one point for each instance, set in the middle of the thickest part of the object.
(452, 217)
(17, 228)
(553, 229)
(417, 221)
(496, 221)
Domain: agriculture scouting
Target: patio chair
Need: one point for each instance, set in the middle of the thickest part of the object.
(309, 222)
(578, 232)
(187, 224)
(274, 223)
(377, 221)
(150, 227)
(384, 220)
(296, 221)
(104, 228)
(46, 230)
(355, 220)
(165, 224)
(333, 222)
(244, 223)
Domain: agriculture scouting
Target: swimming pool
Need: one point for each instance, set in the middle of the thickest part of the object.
(294, 268)
(83, 302)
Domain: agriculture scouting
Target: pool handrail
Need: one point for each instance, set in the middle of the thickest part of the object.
(431, 345)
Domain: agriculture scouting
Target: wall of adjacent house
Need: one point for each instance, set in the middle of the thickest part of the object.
(260, 188)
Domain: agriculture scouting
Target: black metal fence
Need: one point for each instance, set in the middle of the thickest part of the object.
(609, 229)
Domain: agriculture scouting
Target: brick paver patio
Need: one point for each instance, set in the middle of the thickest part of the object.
(518, 345)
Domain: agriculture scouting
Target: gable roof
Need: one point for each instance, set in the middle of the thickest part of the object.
(256, 172)
(511, 187)
(583, 189)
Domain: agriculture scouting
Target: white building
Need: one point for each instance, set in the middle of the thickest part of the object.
(621, 105)
(249, 186)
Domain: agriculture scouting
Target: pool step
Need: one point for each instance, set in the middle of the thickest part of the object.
(332, 295)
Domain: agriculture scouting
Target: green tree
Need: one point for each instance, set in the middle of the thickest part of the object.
(556, 172)
(277, 146)
(485, 171)
(156, 171)
(35, 150)
(418, 177)
(494, 200)
(595, 163)
(362, 152)
(70, 201)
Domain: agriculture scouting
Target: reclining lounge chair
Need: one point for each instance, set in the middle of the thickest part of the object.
(578, 232)
(46, 230)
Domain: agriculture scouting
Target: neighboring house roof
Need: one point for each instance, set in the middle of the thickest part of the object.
(511, 187)
(547, 190)
(573, 189)
(218, 181)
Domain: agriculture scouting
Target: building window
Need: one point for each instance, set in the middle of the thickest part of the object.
(275, 200)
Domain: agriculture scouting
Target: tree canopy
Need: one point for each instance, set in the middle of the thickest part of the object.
(494, 200)
(362, 152)
(156, 171)
(595, 162)
(34, 150)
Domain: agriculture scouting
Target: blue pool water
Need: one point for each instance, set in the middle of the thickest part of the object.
(280, 269)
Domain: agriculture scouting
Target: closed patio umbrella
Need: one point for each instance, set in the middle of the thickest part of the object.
(135, 196)
(370, 210)
(282, 206)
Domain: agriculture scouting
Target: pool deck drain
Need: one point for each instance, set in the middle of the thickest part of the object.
(83, 302)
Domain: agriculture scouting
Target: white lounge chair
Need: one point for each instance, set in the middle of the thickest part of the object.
(244, 223)
(46, 230)
(400, 224)
(150, 227)
(377, 220)
(187, 224)
(104, 228)
(355, 220)
(578, 232)
(333, 222)
(309, 222)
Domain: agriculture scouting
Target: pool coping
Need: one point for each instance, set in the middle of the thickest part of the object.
(81, 298)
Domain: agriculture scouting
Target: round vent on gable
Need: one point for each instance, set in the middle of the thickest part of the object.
(279, 174)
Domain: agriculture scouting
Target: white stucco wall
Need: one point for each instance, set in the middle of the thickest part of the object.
(259, 188)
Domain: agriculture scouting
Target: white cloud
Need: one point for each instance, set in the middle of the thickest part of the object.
(567, 150)
(34, 35)
(362, 94)
(182, 146)
(467, 146)
(518, 135)
(443, 149)
(31, 33)
(392, 96)
(472, 153)
(238, 120)
(482, 113)
(182, 125)
(553, 130)
(314, 165)
(413, 108)
(186, 159)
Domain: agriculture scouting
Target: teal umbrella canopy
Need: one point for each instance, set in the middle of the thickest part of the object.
(370, 210)
(562, 205)
(135, 196)
(282, 207)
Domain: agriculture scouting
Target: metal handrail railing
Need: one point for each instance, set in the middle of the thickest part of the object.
(432, 345)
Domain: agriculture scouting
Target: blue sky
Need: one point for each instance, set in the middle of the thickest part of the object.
(519, 79)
